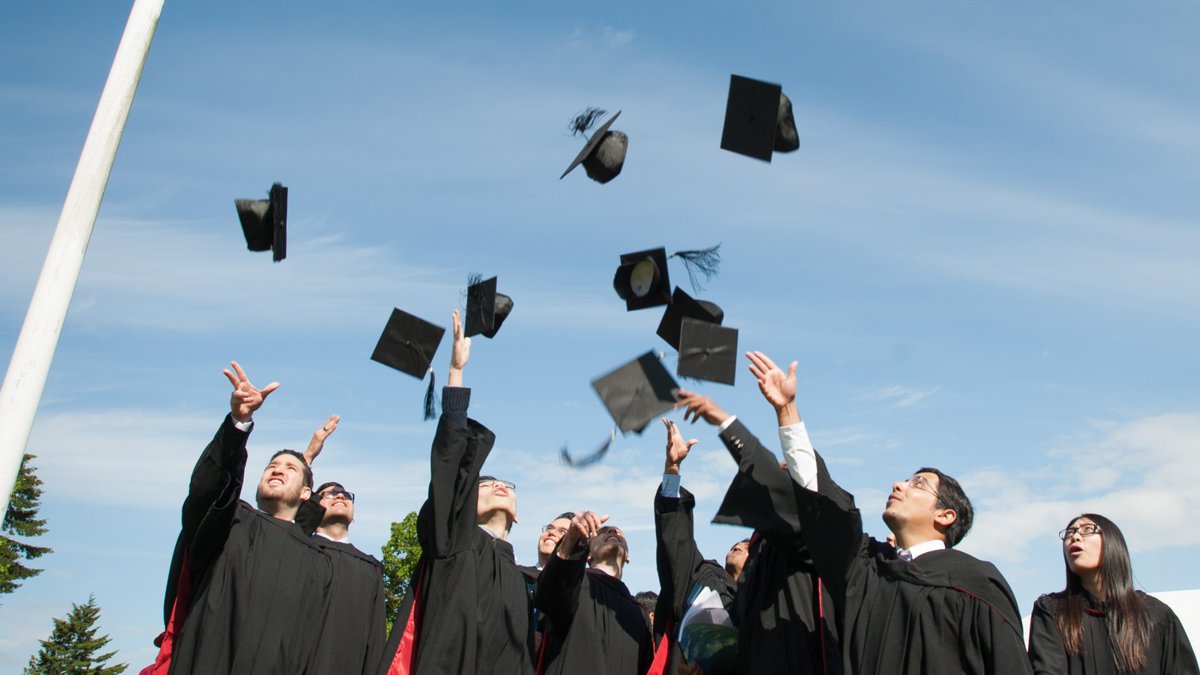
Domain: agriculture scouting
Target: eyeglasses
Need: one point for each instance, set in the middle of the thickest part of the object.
(333, 493)
(921, 483)
(560, 531)
(1085, 530)
(492, 484)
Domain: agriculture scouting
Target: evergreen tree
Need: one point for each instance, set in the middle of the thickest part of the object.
(73, 645)
(20, 520)
(400, 555)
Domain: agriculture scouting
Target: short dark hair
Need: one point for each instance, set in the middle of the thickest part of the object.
(569, 515)
(647, 599)
(951, 496)
(329, 484)
(308, 477)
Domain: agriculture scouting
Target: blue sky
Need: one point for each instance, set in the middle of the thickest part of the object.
(983, 255)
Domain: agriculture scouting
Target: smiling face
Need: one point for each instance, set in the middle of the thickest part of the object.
(609, 541)
(551, 534)
(735, 560)
(338, 506)
(1082, 551)
(283, 483)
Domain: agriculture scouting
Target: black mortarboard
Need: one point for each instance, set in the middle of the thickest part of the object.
(486, 309)
(707, 351)
(642, 279)
(408, 343)
(685, 306)
(637, 392)
(758, 119)
(603, 155)
(264, 222)
(590, 458)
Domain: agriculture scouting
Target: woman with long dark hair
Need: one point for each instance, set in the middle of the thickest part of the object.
(1099, 624)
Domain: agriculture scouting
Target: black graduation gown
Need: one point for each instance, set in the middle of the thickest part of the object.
(355, 632)
(779, 604)
(473, 608)
(259, 589)
(1170, 651)
(681, 570)
(944, 612)
(593, 624)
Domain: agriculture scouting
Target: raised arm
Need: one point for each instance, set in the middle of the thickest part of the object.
(317, 443)
(218, 475)
(678, 557)
(557, 593)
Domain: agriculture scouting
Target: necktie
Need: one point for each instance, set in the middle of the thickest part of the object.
(904, 554)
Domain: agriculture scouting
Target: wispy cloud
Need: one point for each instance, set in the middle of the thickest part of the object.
(601, 37)
(895, 396)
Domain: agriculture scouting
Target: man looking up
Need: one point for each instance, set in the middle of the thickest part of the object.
(926, 608)
(247, 591)
(467, 609)
(594, 625)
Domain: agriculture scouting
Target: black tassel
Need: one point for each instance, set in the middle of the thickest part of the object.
(705, 261)
(472, 279)
(596, 456)
(585, 120)
(429, 402)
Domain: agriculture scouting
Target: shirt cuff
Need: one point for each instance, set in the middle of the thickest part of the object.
(670, 485)
(242, 426)
(725, 425)
(801, 458)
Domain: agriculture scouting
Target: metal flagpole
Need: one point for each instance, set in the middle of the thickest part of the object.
(26, 376)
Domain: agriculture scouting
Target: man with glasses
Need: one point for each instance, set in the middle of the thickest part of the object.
(467, 609)
(355, 633)
(919, 607)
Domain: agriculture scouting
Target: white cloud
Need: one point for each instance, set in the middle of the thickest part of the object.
(895, 396)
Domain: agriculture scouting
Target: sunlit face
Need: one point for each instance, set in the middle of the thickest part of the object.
(608, 539)
(338, 507)
(283, 482)
(497, 495)
(551, 534)
(1082, 551)
(735, 560)
(912, 502)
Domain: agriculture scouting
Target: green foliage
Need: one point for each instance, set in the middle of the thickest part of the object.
(400, 556)
(73, 645)
(20, 520)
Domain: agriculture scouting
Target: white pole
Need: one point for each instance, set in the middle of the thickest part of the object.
(26, 376)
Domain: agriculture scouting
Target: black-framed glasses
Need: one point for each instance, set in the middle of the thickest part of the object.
(1085, 530)
(333, 493)
(496, 482)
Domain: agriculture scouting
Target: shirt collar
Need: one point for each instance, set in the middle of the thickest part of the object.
(920, 549)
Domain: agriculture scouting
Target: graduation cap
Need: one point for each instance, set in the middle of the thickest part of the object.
(264, 222)
(408, 344)
(758, 119)
(486, 309)
(637, 392)
(685, 306)
(603, 155)
(707, 351)
(590, 458)
(642, 279)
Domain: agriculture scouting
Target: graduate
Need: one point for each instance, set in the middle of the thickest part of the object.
(693, 589)
(922, 608)
(1099, 625)
(248, 592)
(468, 609)
(594, 625)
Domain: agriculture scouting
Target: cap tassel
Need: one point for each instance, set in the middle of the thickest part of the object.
(585, 120)
(588, 460)
(429, 402)
(705, 261)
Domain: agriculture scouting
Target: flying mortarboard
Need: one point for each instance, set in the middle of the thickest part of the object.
(408, 344)
(642, 279)
(603, 155)
(707, 351)
(264, 222)
(589, 459)
(486, 309)
(758, 119)
(685, 306)
(637, 392)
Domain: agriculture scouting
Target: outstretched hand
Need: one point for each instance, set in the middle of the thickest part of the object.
(677, 448)
(460, 353)
(246, 398)
(700, 407)
(318, 438)
(779, 389)
(584, 526)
